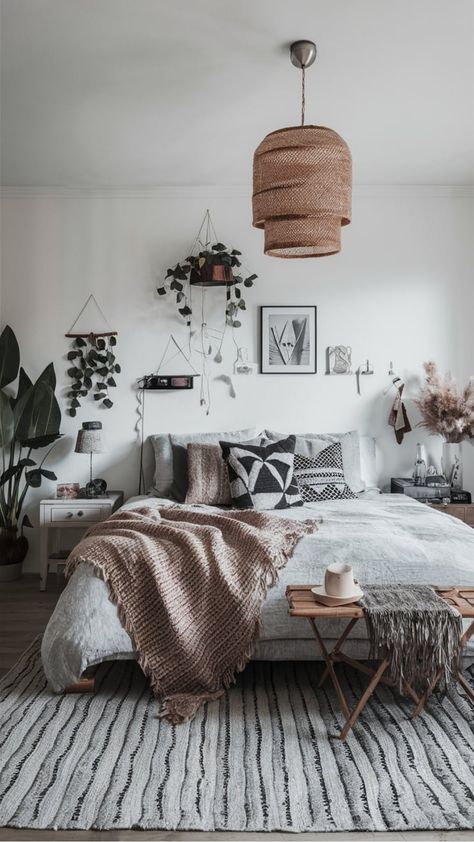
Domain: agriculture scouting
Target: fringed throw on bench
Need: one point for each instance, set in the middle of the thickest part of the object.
(416, 629)
(189, 587)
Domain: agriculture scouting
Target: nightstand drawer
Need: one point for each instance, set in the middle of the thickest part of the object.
(470, 515)
(70, 514)
(455, 510)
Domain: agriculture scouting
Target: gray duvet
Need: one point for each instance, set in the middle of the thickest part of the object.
(387, 538)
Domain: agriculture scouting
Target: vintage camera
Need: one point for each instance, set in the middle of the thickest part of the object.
(458, 496)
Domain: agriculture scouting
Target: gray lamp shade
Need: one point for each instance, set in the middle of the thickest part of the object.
(89, 441)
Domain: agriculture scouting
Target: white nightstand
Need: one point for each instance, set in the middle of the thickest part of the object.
(78, 513)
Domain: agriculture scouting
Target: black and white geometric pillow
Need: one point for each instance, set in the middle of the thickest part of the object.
(322, 477)
(261, 477)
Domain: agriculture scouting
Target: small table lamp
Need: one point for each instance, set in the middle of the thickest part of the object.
(89, 440)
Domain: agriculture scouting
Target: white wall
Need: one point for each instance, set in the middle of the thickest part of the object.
(401, 290)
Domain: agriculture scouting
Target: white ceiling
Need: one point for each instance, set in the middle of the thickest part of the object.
(162, 92)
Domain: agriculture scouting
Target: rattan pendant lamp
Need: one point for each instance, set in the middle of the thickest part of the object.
(302, 182)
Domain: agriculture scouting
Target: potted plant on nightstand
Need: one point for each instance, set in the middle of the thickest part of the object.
(29, 421)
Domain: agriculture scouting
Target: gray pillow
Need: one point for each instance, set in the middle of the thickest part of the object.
(164, 480)
(311, 444)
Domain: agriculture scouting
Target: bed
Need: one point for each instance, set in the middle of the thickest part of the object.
(386, 537)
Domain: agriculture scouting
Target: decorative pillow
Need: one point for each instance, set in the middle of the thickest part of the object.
(179, 488)
(311, 444)
(322, 477)
(171, 461)
(262, 477)
(208, 479)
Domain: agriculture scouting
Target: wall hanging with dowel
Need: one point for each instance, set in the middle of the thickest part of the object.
(92, 356)
(302, 182)
(209, 268)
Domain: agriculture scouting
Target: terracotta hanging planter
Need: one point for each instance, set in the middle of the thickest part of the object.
(209, 265)
(213, 274)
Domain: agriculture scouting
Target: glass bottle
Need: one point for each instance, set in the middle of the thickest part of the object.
(419, 473)
(241, 364)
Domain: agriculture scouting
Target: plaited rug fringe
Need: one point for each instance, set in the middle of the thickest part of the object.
(416, 629)
(193, 612)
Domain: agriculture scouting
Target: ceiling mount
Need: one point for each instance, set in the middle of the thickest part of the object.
(303, 53)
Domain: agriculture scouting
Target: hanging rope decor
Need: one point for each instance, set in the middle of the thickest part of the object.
(302, 182)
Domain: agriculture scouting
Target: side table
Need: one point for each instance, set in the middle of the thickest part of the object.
(302, 603)
(57, 513)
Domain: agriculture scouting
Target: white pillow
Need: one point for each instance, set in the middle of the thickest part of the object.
(310, 444)
(368, 467)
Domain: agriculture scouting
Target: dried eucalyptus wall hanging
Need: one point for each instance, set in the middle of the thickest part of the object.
(92, 357)
(209, 264)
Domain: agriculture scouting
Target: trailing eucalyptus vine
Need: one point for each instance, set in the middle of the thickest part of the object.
(93, 369)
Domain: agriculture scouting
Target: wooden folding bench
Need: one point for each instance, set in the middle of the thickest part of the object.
(302, 603)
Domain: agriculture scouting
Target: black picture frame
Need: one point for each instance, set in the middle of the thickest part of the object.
(273, 348)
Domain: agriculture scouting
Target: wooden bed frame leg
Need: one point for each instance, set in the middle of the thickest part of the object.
(84, 685)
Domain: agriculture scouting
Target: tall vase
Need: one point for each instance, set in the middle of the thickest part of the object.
(451, 462)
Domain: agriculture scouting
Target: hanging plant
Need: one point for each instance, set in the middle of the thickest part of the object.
(209, 264)
(214, 265)
(93, 370)
(93, 361)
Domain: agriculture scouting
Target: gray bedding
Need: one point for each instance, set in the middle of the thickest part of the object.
(387, 538)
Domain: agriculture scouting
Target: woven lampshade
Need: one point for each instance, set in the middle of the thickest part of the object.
(89, 439)
(302, 188)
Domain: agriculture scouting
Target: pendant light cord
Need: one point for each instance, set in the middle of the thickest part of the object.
(303, 101)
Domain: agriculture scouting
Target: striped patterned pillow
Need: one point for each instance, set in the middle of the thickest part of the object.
(322, 477)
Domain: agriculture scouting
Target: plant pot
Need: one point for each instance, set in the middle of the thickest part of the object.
(10, 572)
(451, 462)
(13, 549)
(213, 275)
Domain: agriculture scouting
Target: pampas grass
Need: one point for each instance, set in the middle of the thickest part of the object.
(445, 411)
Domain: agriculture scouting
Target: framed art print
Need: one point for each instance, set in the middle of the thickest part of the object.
(288, 340)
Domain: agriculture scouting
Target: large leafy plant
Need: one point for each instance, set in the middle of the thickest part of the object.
(29, 421)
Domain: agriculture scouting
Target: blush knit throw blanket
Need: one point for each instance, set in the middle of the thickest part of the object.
(189, 586)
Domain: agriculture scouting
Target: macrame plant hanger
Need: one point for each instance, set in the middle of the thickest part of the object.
(93, 361)
(207, 335)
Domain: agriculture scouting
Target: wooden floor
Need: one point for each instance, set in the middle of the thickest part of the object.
(24, 613)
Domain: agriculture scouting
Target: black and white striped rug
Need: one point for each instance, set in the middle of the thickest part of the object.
(260, 759)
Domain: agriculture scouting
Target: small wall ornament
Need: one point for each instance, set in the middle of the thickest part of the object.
(92, 357)
(338, 359)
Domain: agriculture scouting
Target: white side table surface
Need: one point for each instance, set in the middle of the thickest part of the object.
(57, 513)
